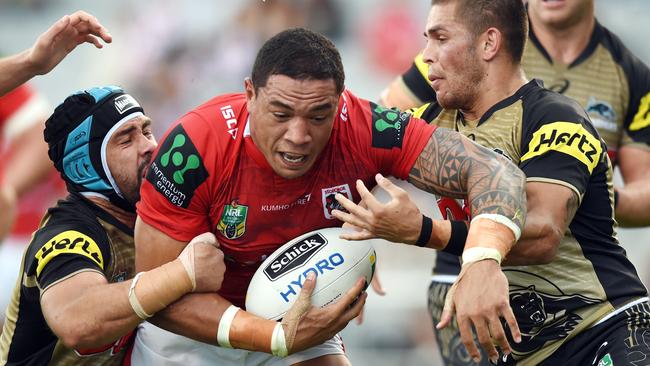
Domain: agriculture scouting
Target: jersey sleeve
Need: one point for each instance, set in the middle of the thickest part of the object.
(560, 145)
(59, 251)
(417, 82)
(175, 196)
(388, 139)
(637, 119)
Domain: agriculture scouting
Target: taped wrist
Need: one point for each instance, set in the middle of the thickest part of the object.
(488, 231)
(153, 290)
(251, 332)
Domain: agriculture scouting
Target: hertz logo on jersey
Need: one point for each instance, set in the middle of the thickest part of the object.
(68, 242)
(642, 116)
(568, 138)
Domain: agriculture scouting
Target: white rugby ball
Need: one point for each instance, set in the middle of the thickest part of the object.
(337, 264)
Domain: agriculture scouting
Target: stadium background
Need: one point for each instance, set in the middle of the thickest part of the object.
(173, 55)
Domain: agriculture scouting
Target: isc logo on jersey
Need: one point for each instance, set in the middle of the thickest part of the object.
(568, 138)
(68, 242)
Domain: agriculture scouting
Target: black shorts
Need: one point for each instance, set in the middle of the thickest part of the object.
(623, 340)
(452, 349)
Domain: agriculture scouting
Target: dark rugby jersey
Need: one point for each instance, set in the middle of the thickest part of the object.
(550, 138)
(607, 80)
(74, 236)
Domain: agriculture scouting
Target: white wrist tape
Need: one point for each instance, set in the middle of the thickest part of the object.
(278, 342)
(476, 254)
(223, 332)
(501, 220)
(133, 299)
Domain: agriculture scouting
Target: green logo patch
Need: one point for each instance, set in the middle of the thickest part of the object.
(232, 224)
(606, 361)
(178, 170)
(388, 127)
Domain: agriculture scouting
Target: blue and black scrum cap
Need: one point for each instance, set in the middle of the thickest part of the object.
(78, 132)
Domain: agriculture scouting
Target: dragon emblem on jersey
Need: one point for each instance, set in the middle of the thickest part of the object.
(232, 224)
(602, 114)
(330, 203)
(543, 316)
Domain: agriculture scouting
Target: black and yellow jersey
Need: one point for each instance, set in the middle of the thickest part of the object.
(74, 236)
(608, 81)
(550, 138)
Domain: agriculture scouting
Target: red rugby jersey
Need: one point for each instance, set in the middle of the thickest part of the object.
(21, 109)
(208, 175)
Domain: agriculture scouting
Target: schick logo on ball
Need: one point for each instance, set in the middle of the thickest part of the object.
(295, 256)
(321, 266)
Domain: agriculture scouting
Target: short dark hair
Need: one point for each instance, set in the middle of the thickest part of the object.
(508, 16)
(299, 54)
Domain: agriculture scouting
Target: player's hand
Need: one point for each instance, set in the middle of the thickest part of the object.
(63, 37)
(306, 326)
(398, 220)
(8, 202)
(379, 290)
(202, 256)
(481, 307)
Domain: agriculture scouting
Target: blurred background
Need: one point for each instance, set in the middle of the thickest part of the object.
(174, 55)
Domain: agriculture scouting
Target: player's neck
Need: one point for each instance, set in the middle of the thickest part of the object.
(125, 217)
(497, 86)
(564, 45)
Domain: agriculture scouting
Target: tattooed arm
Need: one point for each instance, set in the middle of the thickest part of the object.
(451, 165)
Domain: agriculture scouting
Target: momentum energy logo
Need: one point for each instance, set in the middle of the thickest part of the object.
(295, 256)
(177, 171)
(568, 138)
(388, 126)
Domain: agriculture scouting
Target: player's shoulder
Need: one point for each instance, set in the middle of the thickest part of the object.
(70, 228)
(632, 66)
(428, 112)
(543, 106)
(222, 116)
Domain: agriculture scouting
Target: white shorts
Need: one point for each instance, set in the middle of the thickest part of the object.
(156, 346)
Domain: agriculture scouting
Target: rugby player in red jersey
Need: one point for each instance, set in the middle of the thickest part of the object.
(261, 167)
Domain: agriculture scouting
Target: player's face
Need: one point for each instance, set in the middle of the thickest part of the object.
(455, 69)
(128, 154)
(291, 121)
(560, 14)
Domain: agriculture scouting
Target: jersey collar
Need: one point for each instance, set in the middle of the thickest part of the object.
(584, 55)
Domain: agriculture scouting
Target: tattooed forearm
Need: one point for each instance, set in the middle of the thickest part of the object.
(453, 166)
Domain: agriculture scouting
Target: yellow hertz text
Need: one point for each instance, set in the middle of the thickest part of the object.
(69, 242)
(642, 116)
(568, 138)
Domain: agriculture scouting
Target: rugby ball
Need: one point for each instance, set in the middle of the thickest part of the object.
(337, 264)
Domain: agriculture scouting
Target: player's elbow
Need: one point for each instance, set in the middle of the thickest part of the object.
(547, 246)
(79, 335)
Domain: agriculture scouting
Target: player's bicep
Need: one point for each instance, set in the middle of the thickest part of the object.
(555, 204)
(153, 247)
(56, 300)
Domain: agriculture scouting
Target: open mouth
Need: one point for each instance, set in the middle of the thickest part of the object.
(293, 159)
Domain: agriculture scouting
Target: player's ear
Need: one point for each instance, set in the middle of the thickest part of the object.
(250, 89)
(490, 43)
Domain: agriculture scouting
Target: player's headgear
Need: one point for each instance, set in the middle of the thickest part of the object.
(77, 134)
